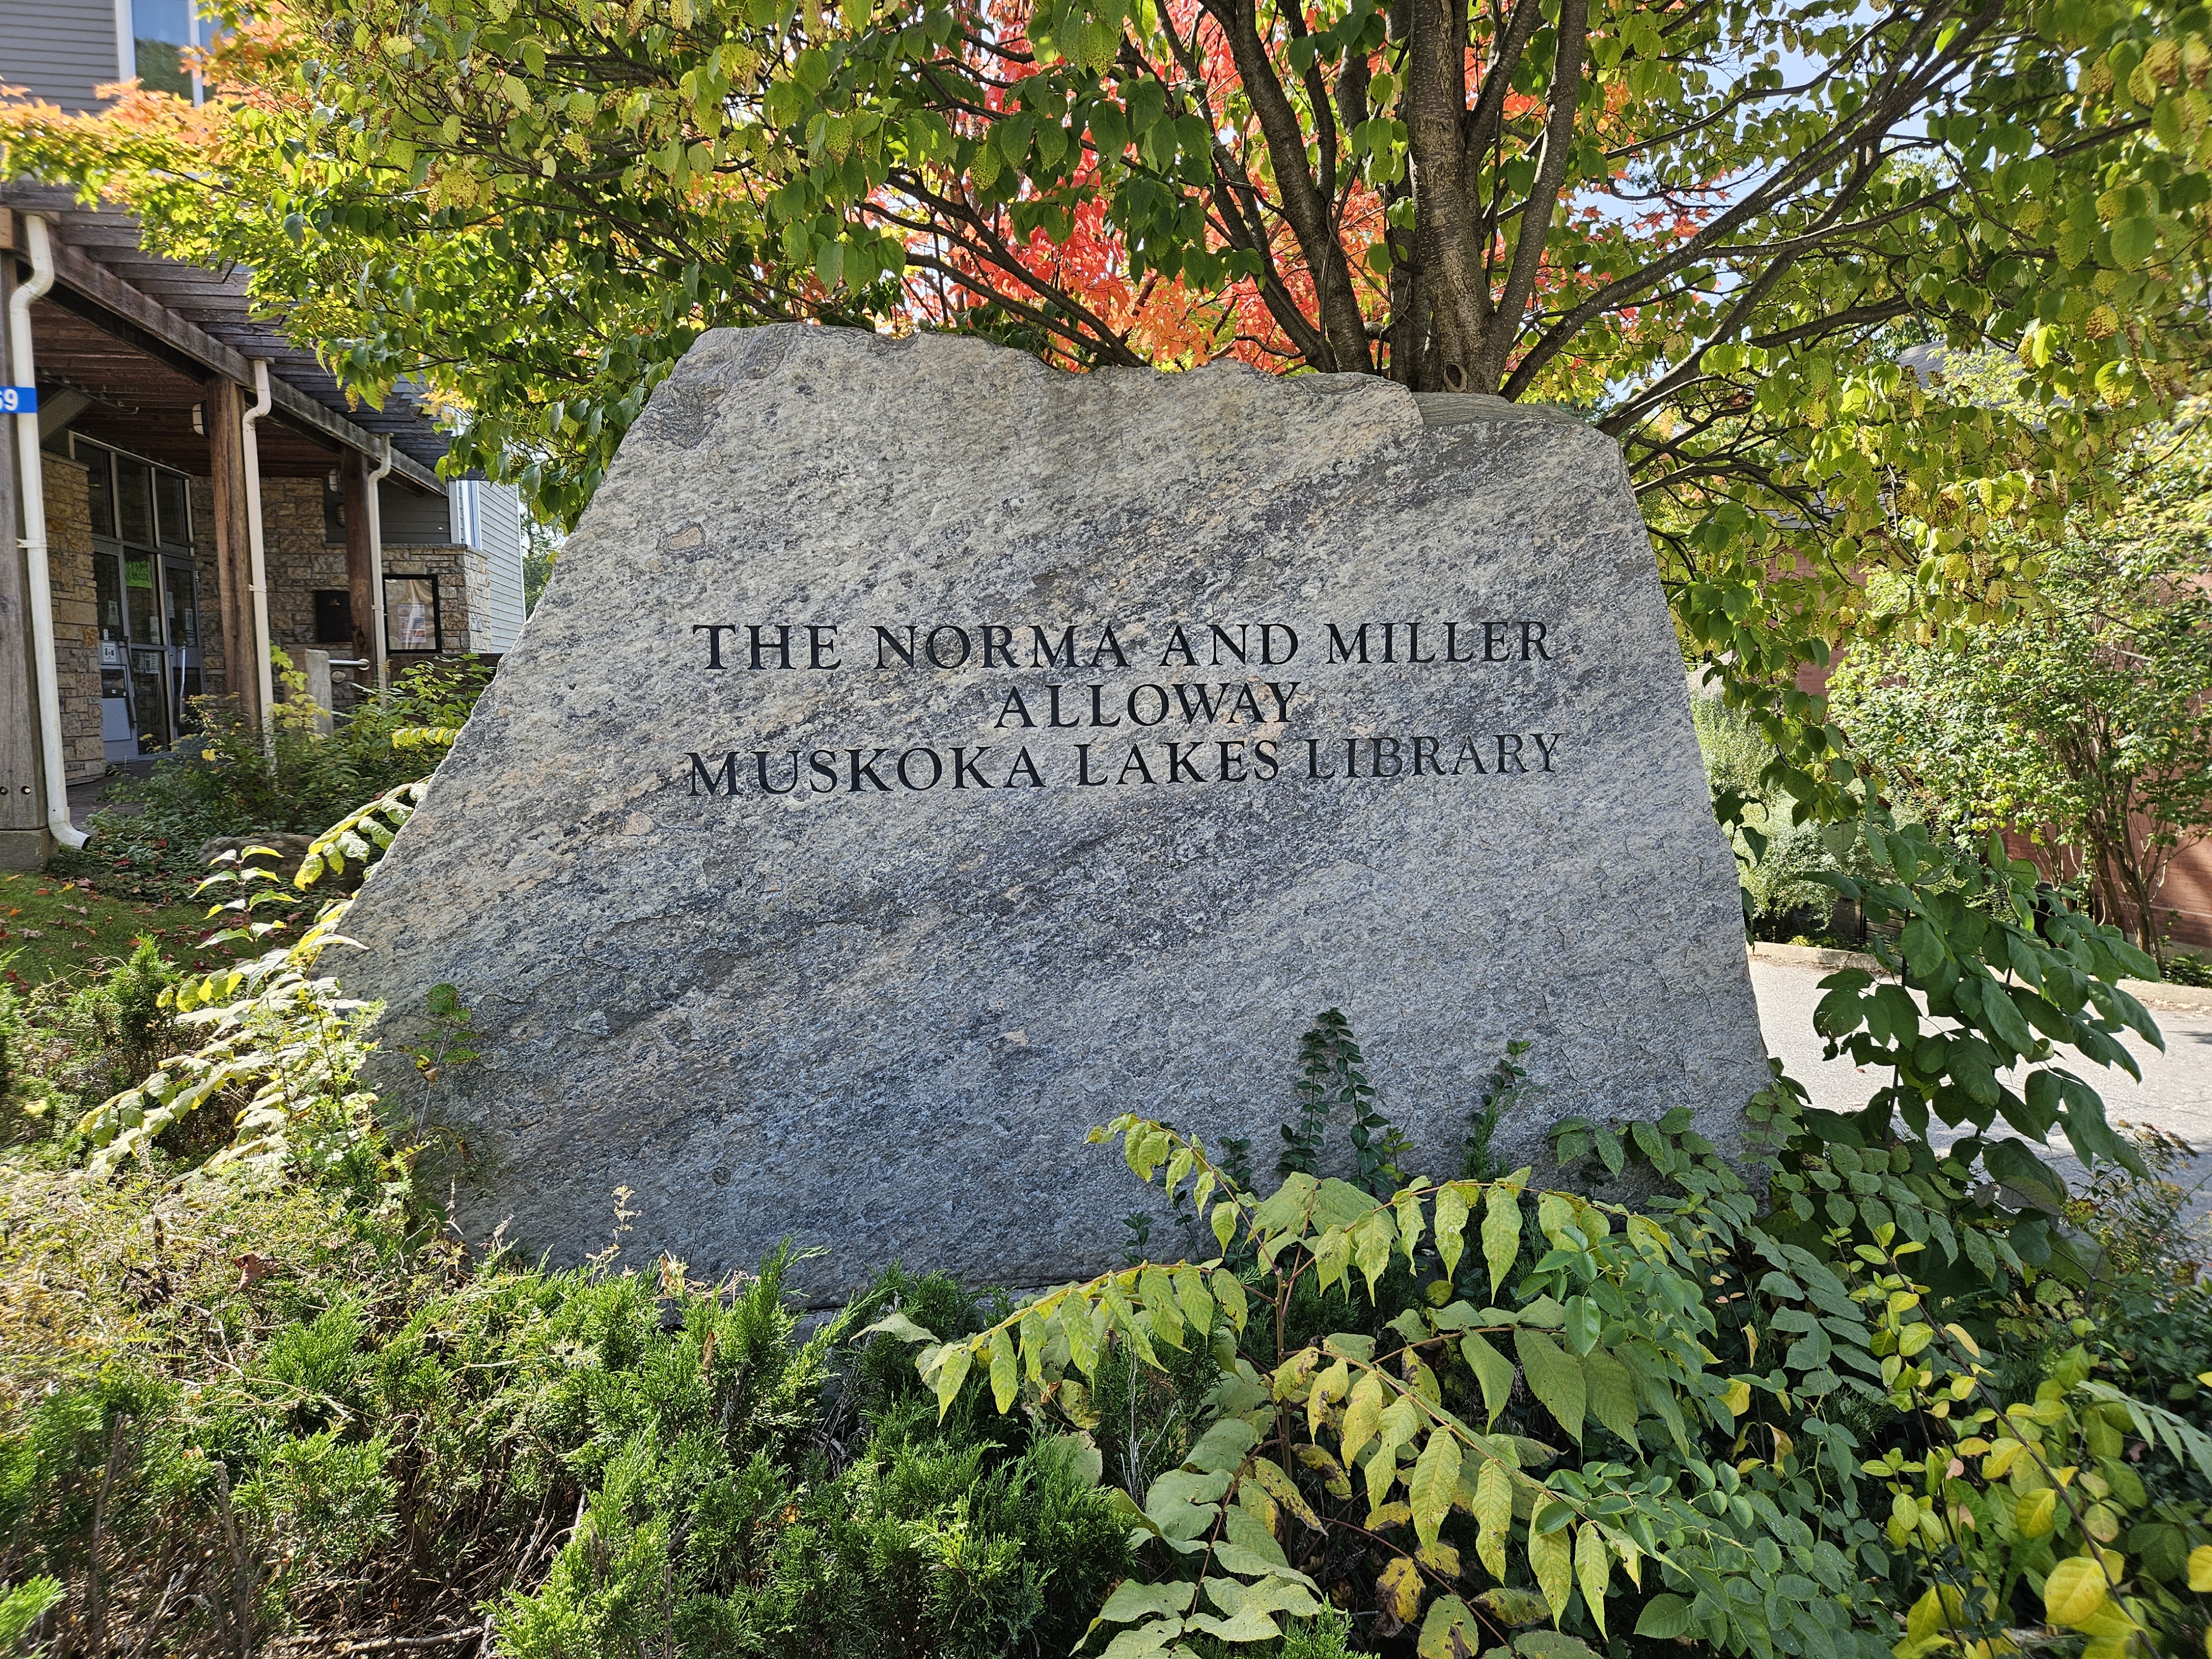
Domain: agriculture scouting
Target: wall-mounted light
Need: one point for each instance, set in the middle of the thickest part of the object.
(199, 419)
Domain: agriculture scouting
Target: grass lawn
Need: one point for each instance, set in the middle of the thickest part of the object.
(54, 928)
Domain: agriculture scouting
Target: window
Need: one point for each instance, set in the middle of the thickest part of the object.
(134, 502)
(160, 31)
(99, 465)
(173, 511)
(163, 33)
(410, 613)
(333, 615)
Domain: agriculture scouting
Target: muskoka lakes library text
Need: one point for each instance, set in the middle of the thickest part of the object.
(1127, 677)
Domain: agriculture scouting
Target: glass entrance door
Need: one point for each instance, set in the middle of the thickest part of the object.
(151, 716)
(180, 613)
(148, 601)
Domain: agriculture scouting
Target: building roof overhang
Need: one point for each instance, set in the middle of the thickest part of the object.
(140, 337)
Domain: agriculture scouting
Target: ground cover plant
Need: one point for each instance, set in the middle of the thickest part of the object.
(147, 840)
(1868, 1399)
(54, 926)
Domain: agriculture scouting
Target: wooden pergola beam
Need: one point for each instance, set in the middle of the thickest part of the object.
(99, 284)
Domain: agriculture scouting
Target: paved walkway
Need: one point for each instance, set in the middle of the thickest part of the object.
(2175, 1094)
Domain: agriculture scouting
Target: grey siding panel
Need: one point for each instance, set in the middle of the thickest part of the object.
(59, 49)
(407, 517)
(498, 525)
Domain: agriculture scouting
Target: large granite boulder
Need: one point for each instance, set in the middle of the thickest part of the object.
(921, 755)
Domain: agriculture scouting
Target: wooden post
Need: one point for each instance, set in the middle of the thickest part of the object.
(23, 804)
(361, 568)
(234, 557)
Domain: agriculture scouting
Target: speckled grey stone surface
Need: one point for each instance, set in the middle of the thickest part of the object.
(881, 1019)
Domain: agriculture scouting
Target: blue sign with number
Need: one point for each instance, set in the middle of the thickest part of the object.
(19, 400)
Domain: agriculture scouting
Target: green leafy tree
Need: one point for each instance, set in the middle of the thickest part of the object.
(1712, 225)
(2084, 721)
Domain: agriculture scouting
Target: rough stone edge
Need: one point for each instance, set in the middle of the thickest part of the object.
(1459, 408)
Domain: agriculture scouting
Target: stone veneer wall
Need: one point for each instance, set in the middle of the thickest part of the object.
(214, 658)
(463, 574)
(76, 614)
(301, 561)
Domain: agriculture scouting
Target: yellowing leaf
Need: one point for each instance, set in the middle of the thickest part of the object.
(1501, 1234)
(1591, 1564)
(1397, 1426)
(2034, 1513)
(951, 1372)
(1398, 1594)
(2075, 1591)
(1229, 1295)
(1439, 1557)
(1285, 1490)
(1334, 1478)
(1450, 1631)
(1512, 1605)
(1435, 1479)
(1451, 1223)
(1493, 1516)
(1157, 1291)
(1006, 1372)
(1361, 1413)
(1551, 1558)
(1409, 1222)
(1737, 1397)
(1370, 1243)
(2200, 1568)
(1328, 1388)
(1939, 1608)
(1197, 1305)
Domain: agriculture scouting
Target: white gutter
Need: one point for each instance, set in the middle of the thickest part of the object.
(29, 464)
(254, 543)
(376, 652)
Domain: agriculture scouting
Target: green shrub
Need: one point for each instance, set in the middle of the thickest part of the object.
(2184, 969)
(251, 1387)
(1779, 861)
(301, 782)
(62, 1045)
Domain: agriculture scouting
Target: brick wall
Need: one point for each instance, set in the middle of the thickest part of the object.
(2184, 903)
(76, 614)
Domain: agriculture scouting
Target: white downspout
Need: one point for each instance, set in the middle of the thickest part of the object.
(58, 824)
(260, 560)
(376, 572)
